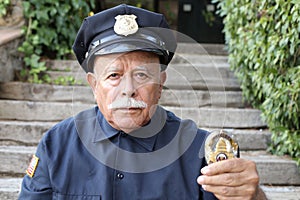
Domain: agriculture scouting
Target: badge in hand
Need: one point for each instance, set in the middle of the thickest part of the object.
(220, 146)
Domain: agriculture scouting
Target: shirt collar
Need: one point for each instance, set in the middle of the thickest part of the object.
(144, 136)
(106, 130)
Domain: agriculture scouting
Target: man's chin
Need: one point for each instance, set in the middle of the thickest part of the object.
(131, 119)
(129, 128)
(129, 124)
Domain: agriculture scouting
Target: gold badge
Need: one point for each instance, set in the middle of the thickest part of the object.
(32, 166)
(125, 25)
(220, 146)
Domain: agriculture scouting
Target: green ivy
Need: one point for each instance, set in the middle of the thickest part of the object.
(50, 33)
(4, 6)
(263, 39)
(66, 80)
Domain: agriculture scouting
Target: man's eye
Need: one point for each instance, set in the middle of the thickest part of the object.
(114, 76)
(141, 76)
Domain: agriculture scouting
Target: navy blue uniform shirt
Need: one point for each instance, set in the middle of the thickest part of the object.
(83, 157)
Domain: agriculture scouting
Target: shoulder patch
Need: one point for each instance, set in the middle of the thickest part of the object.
(32, 166)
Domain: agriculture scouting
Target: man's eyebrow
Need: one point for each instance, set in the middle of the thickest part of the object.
(106, 70)
(146, 69)
(141, 67)
(111, 69)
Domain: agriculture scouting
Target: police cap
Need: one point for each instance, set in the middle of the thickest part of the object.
(121, 29)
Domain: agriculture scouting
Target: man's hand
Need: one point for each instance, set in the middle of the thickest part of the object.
(232, 179)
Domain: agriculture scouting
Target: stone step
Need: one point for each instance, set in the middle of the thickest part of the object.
(170, 97)
(201, 98)
(206, 62)
(250, 139)
(30, 132)
(186, 76)
(201, 49)
(217, 70)
(15, 160)
(23, 132)
(186, 71)
(221, 117)
(204, 116)
(199, 59)
(45, 92)
(282, 192)
(39, 111)
(186, 80)
(10, 187)
(274, 170)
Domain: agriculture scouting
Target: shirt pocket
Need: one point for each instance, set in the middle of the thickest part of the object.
(57, 196)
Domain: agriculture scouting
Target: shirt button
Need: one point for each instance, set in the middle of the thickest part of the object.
(123, 134)
(120, 175)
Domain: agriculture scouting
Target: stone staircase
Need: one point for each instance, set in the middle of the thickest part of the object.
(200, 86)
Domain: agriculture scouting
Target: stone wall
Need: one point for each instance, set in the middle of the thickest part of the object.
(10, 60)
(14, 16)
(10, 40)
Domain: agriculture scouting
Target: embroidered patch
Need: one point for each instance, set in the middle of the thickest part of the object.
(32, 166)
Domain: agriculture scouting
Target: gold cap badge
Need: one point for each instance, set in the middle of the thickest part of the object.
(126, 25)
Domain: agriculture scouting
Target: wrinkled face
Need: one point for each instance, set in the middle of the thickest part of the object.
(127, 88)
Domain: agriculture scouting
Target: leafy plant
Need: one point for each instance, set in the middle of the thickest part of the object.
(50, 32)
(66, 80)
(4, 5)
(208, 17)
(264, 51)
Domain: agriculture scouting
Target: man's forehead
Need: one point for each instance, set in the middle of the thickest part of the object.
(140, 58)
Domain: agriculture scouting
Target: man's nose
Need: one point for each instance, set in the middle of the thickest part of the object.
(128, 87)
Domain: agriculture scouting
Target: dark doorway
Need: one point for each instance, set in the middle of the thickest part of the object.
(198, 20)
(152, 5)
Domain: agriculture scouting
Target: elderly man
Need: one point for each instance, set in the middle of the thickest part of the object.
(128, 147)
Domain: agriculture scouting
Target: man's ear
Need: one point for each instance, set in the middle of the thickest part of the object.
(91, 79)
(163, 78)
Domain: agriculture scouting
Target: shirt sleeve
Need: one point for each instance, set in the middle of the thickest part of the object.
(36, 183)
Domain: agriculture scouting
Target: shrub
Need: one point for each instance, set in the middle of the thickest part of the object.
(4, 6)
(50, 32)
(264, 48)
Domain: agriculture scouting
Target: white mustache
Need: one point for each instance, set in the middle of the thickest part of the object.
(127, 103)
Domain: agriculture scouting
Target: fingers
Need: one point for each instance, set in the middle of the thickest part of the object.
(234, 165)
(223, 192)
(230, 179)
(221, 179)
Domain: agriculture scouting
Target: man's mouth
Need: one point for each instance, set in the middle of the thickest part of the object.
(130, 110)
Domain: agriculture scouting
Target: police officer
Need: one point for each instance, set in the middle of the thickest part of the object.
(128, 147)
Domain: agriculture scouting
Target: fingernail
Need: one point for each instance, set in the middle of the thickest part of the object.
(205, 170)
(204, 187)
(200, 180)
